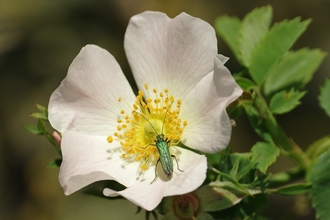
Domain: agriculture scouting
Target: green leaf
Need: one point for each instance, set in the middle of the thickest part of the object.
(284, 101)
(51, 139)
(243, 167)
(244, 172)
(43, 110)
(254, 26)
(54, 163)
(244, 83)
(318, 147)
(229, 30)
(265, 154)
(148, 213)
(273, 46)
(215, 198)
(294, 189)
(247, 209)
(239, 166)
(33, 129)
(42, 127)
(251, 205)
(229, 191)
(324, 97)
(38, 115)
(237, 162)
(234, 182)
(213, 159)
(256, 122)
(237, 186)
(139, 209)
(320, 191)
(294, 70)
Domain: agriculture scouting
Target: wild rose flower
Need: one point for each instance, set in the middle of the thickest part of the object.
(108, 133)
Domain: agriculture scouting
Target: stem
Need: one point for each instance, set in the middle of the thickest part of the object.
(54, 142)
(287, 176)
(279, 136)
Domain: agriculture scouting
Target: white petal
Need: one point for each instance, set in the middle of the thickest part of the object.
(170, 53)
(87, 99)
(204, 108)
(148, 196)
(87, 159)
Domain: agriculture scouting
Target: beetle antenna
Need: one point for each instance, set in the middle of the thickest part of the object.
(165, 116)
(147, 121)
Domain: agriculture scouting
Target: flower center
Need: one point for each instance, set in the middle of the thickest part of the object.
(137, 131)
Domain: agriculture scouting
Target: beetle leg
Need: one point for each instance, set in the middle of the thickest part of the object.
(155, 171)
(177, 164)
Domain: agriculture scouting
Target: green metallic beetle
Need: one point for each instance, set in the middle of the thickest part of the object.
(162, 146)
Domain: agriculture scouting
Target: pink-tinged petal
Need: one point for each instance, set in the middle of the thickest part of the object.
(170, 53)
(148, 196)
(87, 99)
(209, 127)
(87, 159)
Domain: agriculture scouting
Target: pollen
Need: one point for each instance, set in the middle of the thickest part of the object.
(143, 167)
(109, 139)
(152, 113)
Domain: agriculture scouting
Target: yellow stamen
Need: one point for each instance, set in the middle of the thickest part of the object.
(109, 139)
(143, 167)
(150, 116)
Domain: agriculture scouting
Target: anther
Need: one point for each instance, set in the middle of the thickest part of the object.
(130, 125)
(109, 139)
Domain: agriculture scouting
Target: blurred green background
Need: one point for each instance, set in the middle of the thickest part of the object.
(38, 41)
